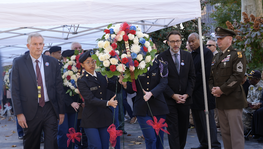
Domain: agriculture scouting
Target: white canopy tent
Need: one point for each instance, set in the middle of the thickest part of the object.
(65, 21)
(62, 22)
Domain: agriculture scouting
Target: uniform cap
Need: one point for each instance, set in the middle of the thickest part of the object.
(68, 53)
(54, 49)
(254, 74)
(85, 55)
(222, 32)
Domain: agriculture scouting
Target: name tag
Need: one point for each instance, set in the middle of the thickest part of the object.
(143, 75)
(93, 88)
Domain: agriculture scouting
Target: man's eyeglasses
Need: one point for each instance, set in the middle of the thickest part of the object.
(173, 42)
(209, 45)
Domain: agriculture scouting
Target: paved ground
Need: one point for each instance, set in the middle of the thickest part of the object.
(9, 138)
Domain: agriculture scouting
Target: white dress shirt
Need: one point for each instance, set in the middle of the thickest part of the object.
(41, 67)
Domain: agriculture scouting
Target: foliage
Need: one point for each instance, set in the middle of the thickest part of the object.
(186, 29)
(249, 39)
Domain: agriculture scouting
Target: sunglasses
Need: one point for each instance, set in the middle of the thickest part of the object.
(209, 45)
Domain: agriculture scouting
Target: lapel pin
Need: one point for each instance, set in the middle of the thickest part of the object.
(182, 63)
(47, 63)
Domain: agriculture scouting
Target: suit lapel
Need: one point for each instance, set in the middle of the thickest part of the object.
(47, 68)
(30, 68)
(170, 60)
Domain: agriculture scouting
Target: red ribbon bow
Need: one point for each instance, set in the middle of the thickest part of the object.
(73, 135)
(113, 134)
(157, 126)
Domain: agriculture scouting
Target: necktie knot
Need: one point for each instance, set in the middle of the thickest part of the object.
(37, 61)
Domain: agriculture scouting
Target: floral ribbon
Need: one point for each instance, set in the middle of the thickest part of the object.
(7, 107)
(157, 126)
(73, 135)
(113, 134)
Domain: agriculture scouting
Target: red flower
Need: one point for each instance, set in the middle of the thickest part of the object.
(69, 67)
(72, 135)
(125, 27)
(107, 31)
(113, 134)
(125, 37)
(114, 46)
(136, 63)
(112, 53)
(132, 32)
(145, 49)
(78, 65)
(157, 126)
(124, 60)
(68, 77)
(112, 68)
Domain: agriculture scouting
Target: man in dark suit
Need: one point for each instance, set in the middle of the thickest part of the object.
(198, 105)
(178, 93)
(37, 94)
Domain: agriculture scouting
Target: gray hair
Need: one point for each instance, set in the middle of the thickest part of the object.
(73, 44)
(211, 40)
(195, 34)
(33, 35)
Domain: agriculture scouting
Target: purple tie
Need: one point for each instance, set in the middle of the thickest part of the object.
(40, 86)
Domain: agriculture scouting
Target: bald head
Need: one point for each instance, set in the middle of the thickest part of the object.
(76, 46)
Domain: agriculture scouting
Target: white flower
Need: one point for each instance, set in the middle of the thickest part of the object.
(139, 34)
(107, 56)
(139, 57)
(148, 58)
(114, 61)
(73, 77)
(142, 65)
(146, 35)
(123, 55)
(100, 44)
(132, 68)
(138, 29)
(147, 44)
(70, 73)
(136, 40)
(70, 62)
(74, 69)
(106, 63)
(102, 58)
(113, 36)
(117, 28)
(66, 74)
(108, 49)
(65, 66)
(73, 57)
(121, 68)
(72, 87)
(119, 38)
(107, 36)
(135, 48)
(77, 91)
(131, 36)
(149, 49)
(63, 76)
(65, 83)
(106, 44)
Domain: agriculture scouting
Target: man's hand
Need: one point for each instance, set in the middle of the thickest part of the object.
(113, 102)
(75, 106)
(124, 84)
(147, 95)
(256, 106)
(22, 120)
(61, 118)
(216, 91)
(178, 98)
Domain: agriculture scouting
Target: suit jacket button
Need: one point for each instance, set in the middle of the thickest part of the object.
(147, 82)
(99, 86)
(100, 92)
(147, 89)
(147, 76)
(100, 98)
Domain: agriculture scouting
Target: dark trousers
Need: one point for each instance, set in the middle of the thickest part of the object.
(127, 108)
(178, 122)
(257, 122)
(70, 120)
(98, 138)
(201, 128)
(152, 140)
(46, 120)
(19, 129)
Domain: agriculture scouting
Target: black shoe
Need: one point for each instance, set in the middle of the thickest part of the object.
(199, 147)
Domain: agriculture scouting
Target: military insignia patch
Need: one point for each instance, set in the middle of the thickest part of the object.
(259, 88)
(239, 54)
(239, 67)
(232, 83)
(93, 88)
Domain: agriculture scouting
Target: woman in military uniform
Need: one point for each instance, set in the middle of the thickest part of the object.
(153, 83)
(97, 116)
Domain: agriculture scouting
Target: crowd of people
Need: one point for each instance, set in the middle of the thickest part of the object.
(170, 88)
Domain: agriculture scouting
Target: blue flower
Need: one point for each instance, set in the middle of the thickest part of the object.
(142, 40)
(65, 70)
(134, 55)
(72, 82)
(132, 28)
(111, 31)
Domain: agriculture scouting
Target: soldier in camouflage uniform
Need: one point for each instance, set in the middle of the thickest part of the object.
(227, 72)
(253, 98)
